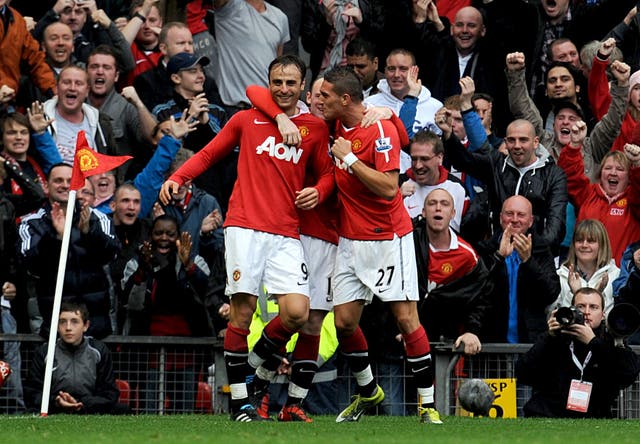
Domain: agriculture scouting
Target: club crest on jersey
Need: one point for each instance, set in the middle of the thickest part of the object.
(279, 150)
(304, 131)
(356, 145)
(236, 275)
(446, 268)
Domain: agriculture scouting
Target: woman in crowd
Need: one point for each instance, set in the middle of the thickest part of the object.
(615, 200)
(589, 264)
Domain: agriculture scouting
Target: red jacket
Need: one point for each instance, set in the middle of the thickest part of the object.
(600, 100)
(621, 216)
(18, 46)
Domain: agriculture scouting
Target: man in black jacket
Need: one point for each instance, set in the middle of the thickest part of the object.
(575, 370)
(527, 171)
(92, 245)
(524, 276)
(451, 276)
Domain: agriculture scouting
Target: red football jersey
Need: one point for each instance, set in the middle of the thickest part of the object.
(321, 221)
(447, 266)
(269, 172)
(363, 214)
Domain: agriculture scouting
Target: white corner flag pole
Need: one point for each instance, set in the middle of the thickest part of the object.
(55, 315)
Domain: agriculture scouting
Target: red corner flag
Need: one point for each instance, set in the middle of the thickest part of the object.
(88, 162)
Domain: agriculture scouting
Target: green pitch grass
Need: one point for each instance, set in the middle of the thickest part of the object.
(218, 429)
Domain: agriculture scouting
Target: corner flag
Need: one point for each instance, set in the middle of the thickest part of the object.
(88, 162)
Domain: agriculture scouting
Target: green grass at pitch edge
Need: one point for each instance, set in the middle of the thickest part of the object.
(219, 429)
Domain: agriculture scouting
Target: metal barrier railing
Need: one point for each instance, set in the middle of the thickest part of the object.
(163, 375)
(155, 375)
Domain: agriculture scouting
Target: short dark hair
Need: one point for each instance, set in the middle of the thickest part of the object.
(165, 218)
(125, 186)
(588, 290)
(75, 307)
(103, 50)
(345, 81)
(555, 43)
(57, 165)
(361, 47)
(403, 51)
(481, 96)
(425, 136)
(569, 67)
(14, 117)
(288, 60)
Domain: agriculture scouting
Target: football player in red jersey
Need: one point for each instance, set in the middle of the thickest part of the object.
(262, 224)
(375, 250)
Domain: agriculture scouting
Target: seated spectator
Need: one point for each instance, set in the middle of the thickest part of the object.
(453, 280)
(402, 91)
(91, 27)
(19, 51)
(528, 170)
(92, 246)
(615, 200)
(427, 174)
(361, 56)
(83, 381)
(522, 271)
(589, 264)
(576, 371)
(165, 287)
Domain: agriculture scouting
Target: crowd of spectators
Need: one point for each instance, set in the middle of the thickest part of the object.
(524, 112)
